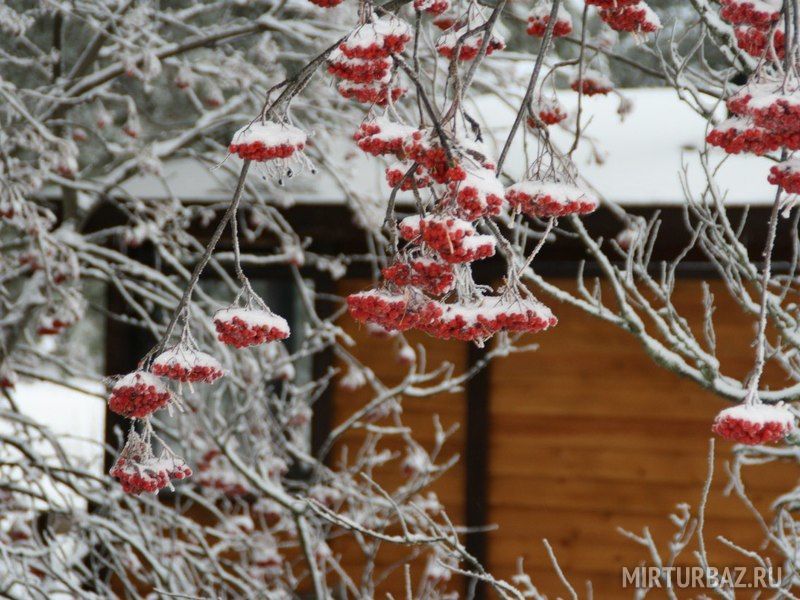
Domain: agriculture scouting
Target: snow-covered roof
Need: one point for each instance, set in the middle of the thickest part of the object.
(635, 160)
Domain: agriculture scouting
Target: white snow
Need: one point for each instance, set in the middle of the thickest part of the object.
(484, 181)
(270, 134)
(253, 317)
(759, 413)
(187, 358)
(137, 377)
(563, 193)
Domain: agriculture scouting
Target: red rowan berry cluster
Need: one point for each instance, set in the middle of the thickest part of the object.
(539, 17)
(139, 470)
(243, 327)
(754, 424)
(428, 274)
(138, 395)
(396, 176)
(761, 14)
(548, 110)
(425, 148)
(447, 42)
(740, 134)
(363, 60)
(480, 318)
(185, 364)
(636, 18)
(278, 146)
(592, 83)
(393, 312)
(381, 136)
(432, 7)
(326, 3)
(8, 379)
(454, 240)
(478, 195)
(550, 199)
(756, 42)
(787, 175)
(607, 4)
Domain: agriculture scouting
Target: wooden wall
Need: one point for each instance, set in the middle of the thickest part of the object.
(586, 435)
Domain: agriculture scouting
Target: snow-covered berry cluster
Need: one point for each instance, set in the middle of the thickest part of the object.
(363, 61)
(450, 43)
(139, 470)
(637, 18)
(550, 199)
(278, 146)
(381, 136)
(592, 83)
(185, 364)
(756, 23)
(539, 17)
(787, 175)
(138, 395)
(432, 7)
(548, 111)
(428, 274)
(766, 118)
(754, 423)
(243, 327)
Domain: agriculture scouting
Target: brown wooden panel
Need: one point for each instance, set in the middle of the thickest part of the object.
(588, 434)
(418, 414)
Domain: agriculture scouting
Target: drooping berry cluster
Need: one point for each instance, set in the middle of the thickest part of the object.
(185, 364)
(261, 142)
(637, 18)
(740, 134)
(539, 17)
(243, 327)
(479, 194)
(757, 22)
(610, 3)
(592, 83)
(396, 176)
(447, 43)
(550, 199)
(548, 110)
(432, 7)
(138, 395)
(787, 175)
(276, 146)
(363, 61)
(139, 470)
(428, 274)
(381, 136)
(754, 424)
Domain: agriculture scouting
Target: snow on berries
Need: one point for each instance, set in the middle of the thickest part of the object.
(186, 364)
(390, 311)
(138, 395)
(432, 7)
(279, 146)
(381, 136)
(592, 83)
(548, 110)
(425, 147)
(396, 176)
(787, 175)
(377, 39)
(377, 92)
(243, 327)
(756, 42)
(740, 134)
(550, 199)
(363, 62)
(610, 3)
(754, 423)
(539, 17)
(428, 274)
(326, 3)
(447, 42)
(454, 240)
(139, 470)
(636, 18)
(761, 14)
(479, 194)
(8, 378)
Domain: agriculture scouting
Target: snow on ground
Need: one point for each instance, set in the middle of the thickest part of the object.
(641, 157)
